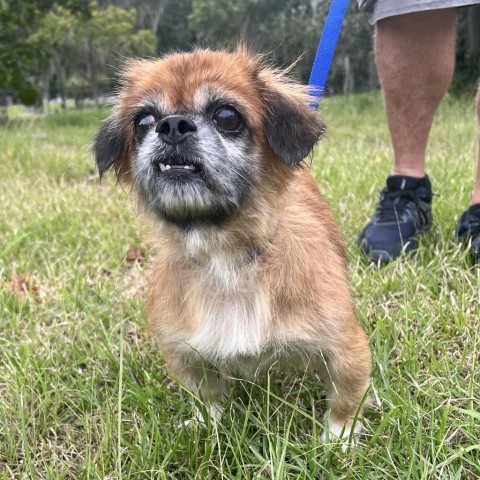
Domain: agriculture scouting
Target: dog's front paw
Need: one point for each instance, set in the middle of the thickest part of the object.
(214, 412)
(346, 432)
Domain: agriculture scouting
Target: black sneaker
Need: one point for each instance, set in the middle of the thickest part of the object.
(403, 213)
(468, 231)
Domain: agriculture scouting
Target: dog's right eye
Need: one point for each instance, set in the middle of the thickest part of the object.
(144, 123)
(227, 119)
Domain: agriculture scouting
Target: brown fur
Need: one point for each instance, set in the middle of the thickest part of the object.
(299, 281)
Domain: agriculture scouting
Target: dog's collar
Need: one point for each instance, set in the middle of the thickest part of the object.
(255, 252)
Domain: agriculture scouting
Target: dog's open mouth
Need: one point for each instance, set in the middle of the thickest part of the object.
(165, 167)
(178, 164)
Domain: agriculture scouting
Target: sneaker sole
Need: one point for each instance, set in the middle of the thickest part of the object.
(383, 257)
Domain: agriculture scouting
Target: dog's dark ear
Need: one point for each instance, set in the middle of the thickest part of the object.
(292, 128)
(110, 145)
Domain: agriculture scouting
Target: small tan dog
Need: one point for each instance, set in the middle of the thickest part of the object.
(251, 267)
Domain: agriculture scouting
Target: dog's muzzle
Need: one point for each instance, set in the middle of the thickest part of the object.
(174, 131)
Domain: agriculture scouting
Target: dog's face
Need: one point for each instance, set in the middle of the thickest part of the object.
(200, 134)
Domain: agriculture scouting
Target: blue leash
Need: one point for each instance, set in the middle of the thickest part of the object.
(326, 49)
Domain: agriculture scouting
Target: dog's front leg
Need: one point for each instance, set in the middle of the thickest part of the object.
(204, 381)
(346, 373)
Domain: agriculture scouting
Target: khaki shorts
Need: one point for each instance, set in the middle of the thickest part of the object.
(389, 8)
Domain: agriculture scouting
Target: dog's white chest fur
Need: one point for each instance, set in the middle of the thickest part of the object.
(228, 326)
(228, 309)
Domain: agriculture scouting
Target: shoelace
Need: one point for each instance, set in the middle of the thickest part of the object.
(392, 205)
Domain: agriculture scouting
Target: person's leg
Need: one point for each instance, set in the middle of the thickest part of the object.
(415, 55)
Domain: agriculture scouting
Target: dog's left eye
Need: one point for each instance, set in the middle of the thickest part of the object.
(228, 119)
(145, 123)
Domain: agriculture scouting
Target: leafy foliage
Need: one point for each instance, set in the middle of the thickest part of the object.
(18, 19)
(72, 47)
(57, 40)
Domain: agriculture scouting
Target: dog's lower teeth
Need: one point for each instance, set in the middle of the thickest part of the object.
(164, 168)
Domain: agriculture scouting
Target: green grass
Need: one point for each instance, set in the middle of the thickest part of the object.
(84, 394)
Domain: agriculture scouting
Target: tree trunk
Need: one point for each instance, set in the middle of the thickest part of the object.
(348, 79)
(157, 17)
(3, 107)
(148, 18)
(373, 81)
(62, 81)
(92, 67)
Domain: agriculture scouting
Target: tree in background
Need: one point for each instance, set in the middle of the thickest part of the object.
(174, 31)
(72, 47)
(467, 70)
(62, 42)
(54, 44)
(288, 30)
(285, 29)
(18, 19)
(103, 41)
(83, 52)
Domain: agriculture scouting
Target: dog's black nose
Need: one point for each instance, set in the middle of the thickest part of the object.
(175, 128)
